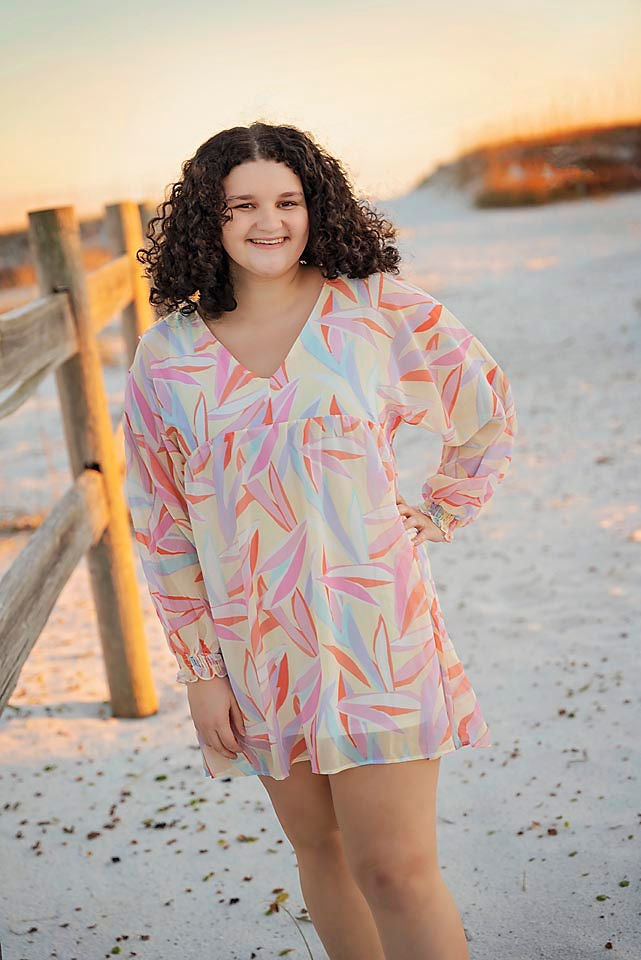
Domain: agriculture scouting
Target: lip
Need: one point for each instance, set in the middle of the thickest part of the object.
(267, 238)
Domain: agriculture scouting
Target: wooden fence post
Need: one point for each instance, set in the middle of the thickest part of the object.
(124, 229)
(55, 242)
(148, 210)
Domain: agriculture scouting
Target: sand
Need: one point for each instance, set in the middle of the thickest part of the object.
(112, 840)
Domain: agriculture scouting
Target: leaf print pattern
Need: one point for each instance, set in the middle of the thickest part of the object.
(162, 528)
(449, 384)
(265, 514)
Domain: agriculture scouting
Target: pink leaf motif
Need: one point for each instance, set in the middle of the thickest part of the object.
(310, 704)
(371, 715)
(144, 408)
(305, 621)
(455, 356)
(289, 581)
(382, 655)
(280, 496)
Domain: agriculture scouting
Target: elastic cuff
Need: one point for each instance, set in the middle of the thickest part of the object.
(201, 666)
(446, 522)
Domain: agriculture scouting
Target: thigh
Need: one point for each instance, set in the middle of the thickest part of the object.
(386, 813)
(304, 806)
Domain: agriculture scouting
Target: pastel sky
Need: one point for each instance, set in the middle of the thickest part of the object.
(103, 101)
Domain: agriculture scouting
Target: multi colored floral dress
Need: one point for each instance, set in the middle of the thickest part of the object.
(265, 514)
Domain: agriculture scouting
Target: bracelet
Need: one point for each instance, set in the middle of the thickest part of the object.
(444, 521)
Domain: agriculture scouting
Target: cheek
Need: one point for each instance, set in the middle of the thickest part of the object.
(300, 224)
(232, 233)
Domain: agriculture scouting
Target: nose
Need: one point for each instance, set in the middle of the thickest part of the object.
(269, 223)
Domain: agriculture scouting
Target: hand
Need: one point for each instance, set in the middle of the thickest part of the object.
(414, 517)
(214, 709)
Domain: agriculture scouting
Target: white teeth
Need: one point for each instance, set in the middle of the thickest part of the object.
(268, 241)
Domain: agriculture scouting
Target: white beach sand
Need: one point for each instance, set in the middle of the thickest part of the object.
(112, 838)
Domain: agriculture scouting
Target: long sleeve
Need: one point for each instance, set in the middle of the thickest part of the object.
(155, 493)
(447, 382)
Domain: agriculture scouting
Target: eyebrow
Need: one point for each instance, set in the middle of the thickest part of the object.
(248, 196)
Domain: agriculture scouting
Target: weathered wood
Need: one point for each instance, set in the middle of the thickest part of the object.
(148, 210)
(55, 242)
(32, 584)
(110, 290)
(38, 335)
(119, 444)
(124, 229)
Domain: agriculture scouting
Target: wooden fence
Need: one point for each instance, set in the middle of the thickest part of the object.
(58, 333)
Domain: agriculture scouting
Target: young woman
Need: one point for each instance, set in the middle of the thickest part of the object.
(260, 413)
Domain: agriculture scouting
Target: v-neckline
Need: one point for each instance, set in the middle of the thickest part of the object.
(221, 346)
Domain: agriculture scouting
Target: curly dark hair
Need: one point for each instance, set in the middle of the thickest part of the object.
(186, 257)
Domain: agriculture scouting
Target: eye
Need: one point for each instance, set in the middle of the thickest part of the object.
(241, 205)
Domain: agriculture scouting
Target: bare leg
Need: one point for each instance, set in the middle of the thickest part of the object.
(418, 918)
(339, 911)
(387, 816)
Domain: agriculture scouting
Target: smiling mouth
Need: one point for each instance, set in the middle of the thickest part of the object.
(276, 242)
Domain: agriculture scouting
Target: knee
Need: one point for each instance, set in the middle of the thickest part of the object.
(397, 879)
(319, 844)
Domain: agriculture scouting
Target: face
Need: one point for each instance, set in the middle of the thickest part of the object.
(266, 201)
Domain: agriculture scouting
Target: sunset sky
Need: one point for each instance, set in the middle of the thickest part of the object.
(103, 101)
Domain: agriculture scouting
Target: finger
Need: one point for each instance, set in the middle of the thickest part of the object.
(226, 734)
(431, 532)
(210, 738)
(413, 519)
(237, 717)
(421, 523)
(420, 538)
(220, 747)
